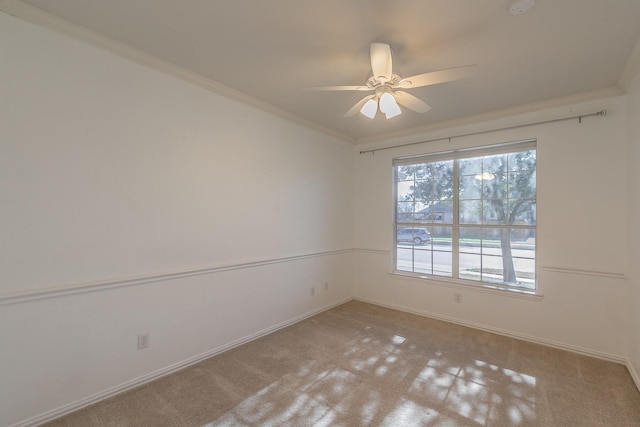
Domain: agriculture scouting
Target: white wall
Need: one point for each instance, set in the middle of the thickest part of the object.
(581, 240)
(633, 98)
(134, 202)
(111, 171)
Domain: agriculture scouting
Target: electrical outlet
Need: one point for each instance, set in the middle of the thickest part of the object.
(457, 297)
(326, 286)
(143, 341)
(313, 290)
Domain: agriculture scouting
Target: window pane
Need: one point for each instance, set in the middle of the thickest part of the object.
(523, 160)
(522, 184)
(404, 258)
(470, 187)
(470, 240)
(440, 212)
(469, 267)
(523, 251)
(470, 211)
(494, 164)
(413, 236)
(471, 166)
(491, 242)
(441, 238)
(434, 182)
(523, 211)
(442, 251)
(405, 212)
(496, 187)
(426, 190)
(523, 243)
(493, 211)
(443, 180)
(422, 261)
(421, 171)
(442, 265)
(525, 272)
(405, 173)
(492, 269)
(495, 218)
(405, 191)
(502, 250)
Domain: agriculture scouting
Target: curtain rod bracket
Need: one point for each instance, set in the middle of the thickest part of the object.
(600, 113)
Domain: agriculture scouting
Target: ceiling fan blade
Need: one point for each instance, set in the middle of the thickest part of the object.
(381, 63)
(324, 88)
(411, 102)
(356, 108)
(436, 77)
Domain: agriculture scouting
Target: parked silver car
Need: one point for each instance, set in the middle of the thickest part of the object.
(416, 236)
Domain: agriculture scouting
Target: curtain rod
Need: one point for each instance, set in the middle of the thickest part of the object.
(601, 113)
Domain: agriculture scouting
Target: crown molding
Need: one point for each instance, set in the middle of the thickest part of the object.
(631, 69)
(495, 115)
(39, 17)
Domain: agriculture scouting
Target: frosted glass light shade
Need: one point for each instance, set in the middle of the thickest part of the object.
(389, 106)
(370, 108)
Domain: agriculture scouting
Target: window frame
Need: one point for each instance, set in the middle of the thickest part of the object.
(455, 156)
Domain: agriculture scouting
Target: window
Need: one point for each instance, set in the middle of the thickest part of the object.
(468, 216)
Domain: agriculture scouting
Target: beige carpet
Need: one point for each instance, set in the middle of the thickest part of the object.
(364, 365)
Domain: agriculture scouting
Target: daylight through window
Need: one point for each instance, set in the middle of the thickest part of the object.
(468, 215)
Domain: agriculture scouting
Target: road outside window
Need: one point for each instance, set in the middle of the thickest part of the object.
(468, 216)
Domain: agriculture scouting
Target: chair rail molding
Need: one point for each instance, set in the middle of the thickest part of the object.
(52, 292)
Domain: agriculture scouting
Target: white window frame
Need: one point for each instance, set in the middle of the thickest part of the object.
(455, 155)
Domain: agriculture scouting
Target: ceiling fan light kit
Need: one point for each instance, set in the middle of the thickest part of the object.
(385, 102)
(385, 84)
(388, 105)
(370, 108)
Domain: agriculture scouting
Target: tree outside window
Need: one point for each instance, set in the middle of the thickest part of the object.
(480, 212)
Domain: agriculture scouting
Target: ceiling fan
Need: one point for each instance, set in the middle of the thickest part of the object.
(386, 85)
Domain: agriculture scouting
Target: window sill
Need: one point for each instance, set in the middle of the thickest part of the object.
(484, 288)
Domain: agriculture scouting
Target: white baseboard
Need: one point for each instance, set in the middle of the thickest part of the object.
(633, 373)
(511, 334)
(95, 398)
(110, 392)
(555, 344)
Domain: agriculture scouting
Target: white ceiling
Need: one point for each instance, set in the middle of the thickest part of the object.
(272, 49)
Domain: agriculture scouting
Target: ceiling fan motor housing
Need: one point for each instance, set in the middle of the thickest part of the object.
(374, 83)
